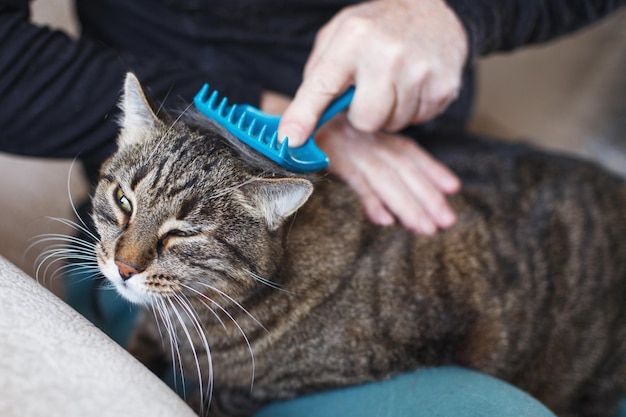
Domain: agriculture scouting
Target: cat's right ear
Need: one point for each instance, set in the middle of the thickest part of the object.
(275, 199)
(138, 119)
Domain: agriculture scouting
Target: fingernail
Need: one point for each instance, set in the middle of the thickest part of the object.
(446, 218)
(292, 133)
(427, 227)
(384, 219)
(452, 184)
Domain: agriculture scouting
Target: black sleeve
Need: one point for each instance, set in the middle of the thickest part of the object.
(501, 25)
(58, 96)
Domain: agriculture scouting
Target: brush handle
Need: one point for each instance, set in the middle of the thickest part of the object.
(337, 105)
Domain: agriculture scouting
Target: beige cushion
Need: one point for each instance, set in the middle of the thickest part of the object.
(53, 362)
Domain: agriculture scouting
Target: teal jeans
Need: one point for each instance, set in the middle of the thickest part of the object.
(433, 392)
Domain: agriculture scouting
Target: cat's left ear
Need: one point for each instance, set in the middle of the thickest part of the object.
(138, 119)
(276, 199)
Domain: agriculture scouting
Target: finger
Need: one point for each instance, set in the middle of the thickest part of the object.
(432, 201)
(419, 171)
(439, 174)
(342, 164)
(427, 110)
(356, 158)
(323, 39)
(409, 85)
(328, 72)
(437, 94)
(395, 195)
(374, 99)
(429, 195)
(407, 103)
(328, 78)
(374, 208)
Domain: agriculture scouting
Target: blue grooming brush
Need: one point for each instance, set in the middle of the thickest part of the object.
(258, 129)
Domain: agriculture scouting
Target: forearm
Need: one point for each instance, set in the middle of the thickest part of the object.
(54, 93)
(508, 24)
(58, 96)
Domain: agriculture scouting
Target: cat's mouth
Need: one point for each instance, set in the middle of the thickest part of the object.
(133, 289)
(141, 288)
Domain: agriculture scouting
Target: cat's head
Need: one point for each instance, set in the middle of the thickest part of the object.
(180, 211)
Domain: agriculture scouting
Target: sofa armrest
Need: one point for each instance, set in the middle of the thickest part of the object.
(53, 362)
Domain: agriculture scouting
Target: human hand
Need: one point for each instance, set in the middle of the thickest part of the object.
(273, 102)
(393, 176)
(405, 57)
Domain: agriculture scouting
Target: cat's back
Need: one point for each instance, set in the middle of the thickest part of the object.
(541, 258)
(529, 285)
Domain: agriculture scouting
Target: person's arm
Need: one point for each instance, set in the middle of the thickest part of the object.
(58, 96)
(504, 25)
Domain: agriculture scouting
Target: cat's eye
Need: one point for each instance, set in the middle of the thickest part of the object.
(167, 238)
(178, 233)
(122, 201)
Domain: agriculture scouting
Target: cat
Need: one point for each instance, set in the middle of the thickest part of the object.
(267, 284)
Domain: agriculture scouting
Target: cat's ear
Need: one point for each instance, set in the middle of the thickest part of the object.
(276, 199)
(138, 119)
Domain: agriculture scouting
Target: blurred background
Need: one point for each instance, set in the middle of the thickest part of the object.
(568, 95)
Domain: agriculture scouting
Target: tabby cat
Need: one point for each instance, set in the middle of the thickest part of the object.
(267, 284)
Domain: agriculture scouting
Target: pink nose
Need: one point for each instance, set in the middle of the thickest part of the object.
(126, 270)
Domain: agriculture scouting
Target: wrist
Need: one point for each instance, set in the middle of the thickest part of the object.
(464, 16)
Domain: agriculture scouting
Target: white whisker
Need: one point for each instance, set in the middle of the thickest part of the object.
(181, 320)
(174, 344)
(93, 270)
(179, 117)
(58, 237)
(156, 146)
(78, 227)
(63, 252)
(84, 227)
(232, 300)
(193, 316)
(169, 91)
(265, 281)
(59, 253)
(245, 337)
(217, 317)
(153, 307)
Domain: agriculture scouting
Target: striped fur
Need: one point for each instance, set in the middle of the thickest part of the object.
(260, 302)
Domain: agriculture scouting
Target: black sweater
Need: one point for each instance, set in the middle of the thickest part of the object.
(58, 96)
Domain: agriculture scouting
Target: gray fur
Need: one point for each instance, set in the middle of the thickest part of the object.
(529, 285)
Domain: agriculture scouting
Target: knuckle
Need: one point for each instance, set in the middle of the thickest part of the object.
(393, 55)
(321, 34)
(356, 26)
(395, 124)
(455, 85)
(416, 74)
(436, 202)
(387, 178)
(448, 90)
(364, 122)
(407, 149)
(435, 101)
(322, 82)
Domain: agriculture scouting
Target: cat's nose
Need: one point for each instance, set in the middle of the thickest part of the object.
(126, 270)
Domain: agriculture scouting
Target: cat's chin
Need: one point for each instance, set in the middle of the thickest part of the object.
(131, 295)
